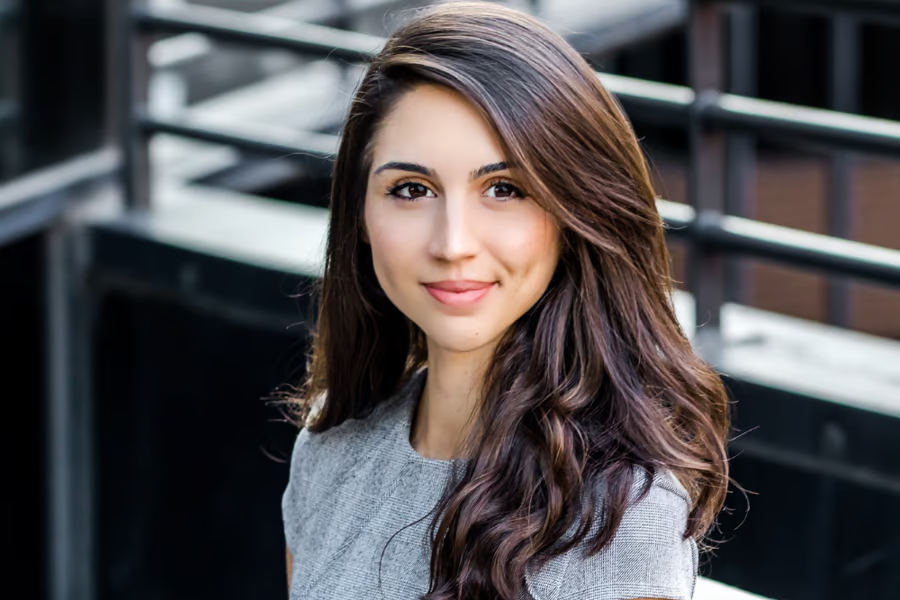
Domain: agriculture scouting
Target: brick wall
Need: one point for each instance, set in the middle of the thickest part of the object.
(793, 192)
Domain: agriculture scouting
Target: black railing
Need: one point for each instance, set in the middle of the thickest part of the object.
(261, 31)
(317, 149)
(671, 103)
(702, 108)
(875, 6)
(33, 202)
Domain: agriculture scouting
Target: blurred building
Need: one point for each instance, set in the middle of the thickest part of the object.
(164, 176)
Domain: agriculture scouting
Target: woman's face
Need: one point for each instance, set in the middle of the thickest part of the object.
(456, 245)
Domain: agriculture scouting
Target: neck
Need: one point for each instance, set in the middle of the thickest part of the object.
(449, 399)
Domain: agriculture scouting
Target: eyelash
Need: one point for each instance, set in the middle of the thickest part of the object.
(393, 190)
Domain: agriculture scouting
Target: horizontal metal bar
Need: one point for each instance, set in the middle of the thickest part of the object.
(890, 6)
(678, 218)
(736, 235)
(858, 475)
(673, 104)
(314, 149)
(262, 31)
(881, 17)
(739, 236)
(846, 130)
(651, 101)
(30, 203)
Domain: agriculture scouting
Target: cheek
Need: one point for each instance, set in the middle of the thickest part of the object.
(531, 248)
(391, 249)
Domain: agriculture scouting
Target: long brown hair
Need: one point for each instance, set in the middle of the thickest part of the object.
(596, 379)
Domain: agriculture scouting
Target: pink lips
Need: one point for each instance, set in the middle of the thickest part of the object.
(458, 293)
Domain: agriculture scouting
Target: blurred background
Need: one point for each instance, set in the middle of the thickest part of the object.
(164, 171)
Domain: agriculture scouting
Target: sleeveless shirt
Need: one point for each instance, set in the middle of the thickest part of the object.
(359, 501)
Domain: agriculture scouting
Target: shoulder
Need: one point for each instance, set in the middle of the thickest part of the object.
(647, 558)
(660, 515)
(319, 459)
(316, 454)
(324, 463)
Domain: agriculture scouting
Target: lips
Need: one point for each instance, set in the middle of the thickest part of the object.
(459, 292)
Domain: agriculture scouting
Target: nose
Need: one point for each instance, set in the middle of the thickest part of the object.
(453, 238)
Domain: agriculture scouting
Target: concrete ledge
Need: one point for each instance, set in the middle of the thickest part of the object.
(838, 365)
(707, 589)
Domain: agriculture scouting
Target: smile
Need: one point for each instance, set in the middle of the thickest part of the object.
(458, 293)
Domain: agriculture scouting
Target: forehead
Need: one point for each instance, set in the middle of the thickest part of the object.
(436, 126)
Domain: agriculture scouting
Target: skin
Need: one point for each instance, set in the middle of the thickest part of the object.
(290, 567)
(453, 222)
(466, 218)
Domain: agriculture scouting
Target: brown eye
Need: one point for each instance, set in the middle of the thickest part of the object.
(411, 191)
(505, 190)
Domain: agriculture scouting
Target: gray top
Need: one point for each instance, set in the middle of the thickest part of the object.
(358, 493)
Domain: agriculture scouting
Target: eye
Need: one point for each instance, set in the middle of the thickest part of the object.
(410, 190)
(504, 190)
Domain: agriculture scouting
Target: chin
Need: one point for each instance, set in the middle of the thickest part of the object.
(459, 341)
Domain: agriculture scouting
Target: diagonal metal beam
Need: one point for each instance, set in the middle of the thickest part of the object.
(261, 30)
(33, 202)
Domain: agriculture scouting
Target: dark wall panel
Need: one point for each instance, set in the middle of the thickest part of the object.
(824, 500)
(62, 102)
(192, 458)
(22, 425)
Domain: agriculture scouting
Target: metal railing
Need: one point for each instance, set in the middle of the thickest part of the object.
(35, 201)
(672, 103)
(703, 108)
(874, 7)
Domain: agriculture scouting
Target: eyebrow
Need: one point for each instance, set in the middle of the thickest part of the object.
(422, 170)
(488, 169)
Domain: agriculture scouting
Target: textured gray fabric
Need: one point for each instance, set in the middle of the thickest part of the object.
(359, 494)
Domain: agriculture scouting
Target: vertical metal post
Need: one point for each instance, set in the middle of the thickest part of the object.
(70, 542)
(706, 266)
(130, 75)
(740, 168)
(844, 93)
(832, 447)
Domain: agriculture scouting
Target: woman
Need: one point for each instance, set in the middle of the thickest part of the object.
(500, 401)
